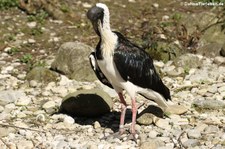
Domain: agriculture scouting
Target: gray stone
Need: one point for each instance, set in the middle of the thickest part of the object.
(97, 125)
(219, 60)
(176, 72)
(24, 144)
(153, 134)
(68, 120)
(43, 75)
(209, 104)
(194, 134)
(176, 109)
(10, 96)
(210, 49)
(145, 119)
(212, 89)
(152, 144)
(9, 107)
(5, 116)
(23, 101)
(5, 131)
(49, 106)
(147, 115)
(188, 61)
(89, 103)
(221, 89)
(1, 109)
(33, 83)
(72, 60)
(163, 123)
(207, 73)
(211, 129)
(191, 143)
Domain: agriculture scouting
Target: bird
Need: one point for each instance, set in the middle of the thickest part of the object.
(124, 66)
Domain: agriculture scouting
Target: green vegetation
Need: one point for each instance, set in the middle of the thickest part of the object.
(64, 8)
(39, 17)
(176, 16)
(13, 51)
(10, 37)
(186, 70)
(40, 63)
(6, 4)
(27, 58)
(36, 31)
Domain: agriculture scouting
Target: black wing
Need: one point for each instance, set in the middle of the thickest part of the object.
(136, 66)
(97, 70)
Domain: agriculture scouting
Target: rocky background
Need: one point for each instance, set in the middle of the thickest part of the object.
(50, 98)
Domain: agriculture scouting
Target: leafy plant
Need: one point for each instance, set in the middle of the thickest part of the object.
(13, 50)
(176, 16)
(5, 4)
(64, 8)
(10, 37)
(39, 17)
(27, 58)
(36, 31)
(41, 63)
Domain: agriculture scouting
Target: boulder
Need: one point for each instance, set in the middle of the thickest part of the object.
(210, 49)
(86, 103)
(43, 75)
(188, 61)
(72, 60)
(146, 117)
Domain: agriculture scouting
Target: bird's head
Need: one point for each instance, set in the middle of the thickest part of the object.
(99, 17)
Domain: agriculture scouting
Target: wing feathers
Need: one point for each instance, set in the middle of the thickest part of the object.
(136, 66)
(98, 71)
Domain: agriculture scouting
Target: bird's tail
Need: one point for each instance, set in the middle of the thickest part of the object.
(155, 96)
(165, 91)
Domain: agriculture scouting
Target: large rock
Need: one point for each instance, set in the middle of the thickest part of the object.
(72, 60)
(42, 74)
(188, 61)
(87, 103)
(210, 49)
(146, 117)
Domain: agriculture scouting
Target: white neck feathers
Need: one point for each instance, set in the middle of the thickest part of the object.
(109, 39)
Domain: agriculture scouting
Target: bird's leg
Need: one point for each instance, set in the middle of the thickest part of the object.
(123, 113)
(134, 114)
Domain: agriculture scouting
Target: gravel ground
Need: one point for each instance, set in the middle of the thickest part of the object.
(26, 119)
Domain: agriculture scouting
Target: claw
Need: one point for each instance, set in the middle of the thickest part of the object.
(132, 137)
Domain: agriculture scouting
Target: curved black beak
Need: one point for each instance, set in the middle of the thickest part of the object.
(95, 14)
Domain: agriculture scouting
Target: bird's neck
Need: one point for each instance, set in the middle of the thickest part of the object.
(108, 39)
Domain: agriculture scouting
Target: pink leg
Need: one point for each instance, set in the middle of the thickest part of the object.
(123, 112)
(134, 113)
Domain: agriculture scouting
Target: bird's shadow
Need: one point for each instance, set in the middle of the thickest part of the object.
(112, 119)
(109, 120)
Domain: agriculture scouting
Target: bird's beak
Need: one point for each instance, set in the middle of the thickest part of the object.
(95, 14)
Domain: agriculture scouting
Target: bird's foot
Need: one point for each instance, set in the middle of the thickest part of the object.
(133, 137)
(119, 135)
